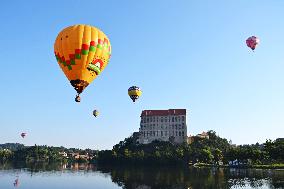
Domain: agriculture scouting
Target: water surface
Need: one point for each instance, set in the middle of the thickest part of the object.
(51, 176)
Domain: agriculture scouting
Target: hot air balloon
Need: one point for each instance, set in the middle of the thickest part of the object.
(23, 135)
(82, 52)
(252, 42)
(96, 113)
(134, 93)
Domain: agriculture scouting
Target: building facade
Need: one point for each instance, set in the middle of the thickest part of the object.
(163, 125)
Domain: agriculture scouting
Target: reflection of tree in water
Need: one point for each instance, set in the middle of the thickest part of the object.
(51, 168)
(256, 178)
(181, 178)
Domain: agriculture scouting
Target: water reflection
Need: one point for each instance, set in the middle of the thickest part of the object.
(142, 177)
(193, 178)
(45, 167)
(16, 182)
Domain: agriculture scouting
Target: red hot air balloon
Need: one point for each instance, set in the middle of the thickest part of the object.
(23, 135)
(252, 42)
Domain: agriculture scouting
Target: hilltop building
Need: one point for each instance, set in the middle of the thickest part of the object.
(163, 125)
(202, 135)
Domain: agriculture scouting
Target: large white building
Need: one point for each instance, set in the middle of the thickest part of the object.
(164, 125)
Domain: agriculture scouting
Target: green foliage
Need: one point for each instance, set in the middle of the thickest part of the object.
(11, 146)
(5, 155)
(45, 154)
(202, 150)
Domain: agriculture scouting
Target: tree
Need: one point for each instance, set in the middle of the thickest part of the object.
(206, 156)
(218, 155)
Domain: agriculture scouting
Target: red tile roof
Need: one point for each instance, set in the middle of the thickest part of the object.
(163, 112)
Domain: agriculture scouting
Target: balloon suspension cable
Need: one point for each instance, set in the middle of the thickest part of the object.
(78, 98)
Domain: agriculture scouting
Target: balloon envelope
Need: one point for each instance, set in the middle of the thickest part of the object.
(134, 93)
(96, 113)
(23, 135)
(82, 52)
(252, 42)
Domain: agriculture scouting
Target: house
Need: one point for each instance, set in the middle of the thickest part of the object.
(64, 154)
(203, 135)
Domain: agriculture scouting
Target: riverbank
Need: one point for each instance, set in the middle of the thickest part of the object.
(271, 166)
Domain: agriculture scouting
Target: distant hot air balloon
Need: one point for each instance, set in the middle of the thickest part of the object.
(23, 135)
(96, 113)
(134, 93)
(82, 52)
(252, 42)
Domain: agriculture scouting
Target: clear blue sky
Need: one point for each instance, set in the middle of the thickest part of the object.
(183, 54)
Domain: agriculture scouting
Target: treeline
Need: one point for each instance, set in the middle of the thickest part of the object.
(12, 146)
(215, 150)
(20, 153)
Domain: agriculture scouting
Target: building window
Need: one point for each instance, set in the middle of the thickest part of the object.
(182, 118)
(144, 134)
(179, 133)
(182, 133)
(161, 133)
(176, 119)
(147, 119)
(173, 119)
(176, 133)
(176, 127)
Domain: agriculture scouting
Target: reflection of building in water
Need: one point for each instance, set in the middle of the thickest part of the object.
(163, 125)
(82, 166)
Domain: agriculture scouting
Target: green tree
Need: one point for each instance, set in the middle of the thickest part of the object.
(218, 155)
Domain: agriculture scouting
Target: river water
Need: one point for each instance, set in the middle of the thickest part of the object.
(81, 176)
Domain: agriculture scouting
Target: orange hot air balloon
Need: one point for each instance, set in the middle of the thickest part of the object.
(82, 52)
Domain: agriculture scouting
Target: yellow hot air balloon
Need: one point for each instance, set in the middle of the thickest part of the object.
(96, 113)
(82, 52)
(134, 93)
